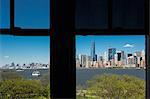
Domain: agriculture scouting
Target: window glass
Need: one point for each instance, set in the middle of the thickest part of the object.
(91, 14)
(32, 14)
(4, 14)
(128, 14)
(110, 67)
(24, 67)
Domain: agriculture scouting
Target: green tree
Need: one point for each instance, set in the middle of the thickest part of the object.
(17, 88)
(46, 91)
(13, 86)
(45, 79)
(110, 86)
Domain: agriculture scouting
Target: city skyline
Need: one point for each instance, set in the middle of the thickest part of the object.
(39, 47)
(129, 44)
(112, 56)
(112, 59)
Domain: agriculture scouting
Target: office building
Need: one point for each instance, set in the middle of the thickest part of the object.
(88, 61)
(111, 56)
(93, 55)
(83, 60)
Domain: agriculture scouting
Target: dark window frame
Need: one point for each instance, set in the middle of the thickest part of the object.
(63, 32)
(12, 30)
(114, 31)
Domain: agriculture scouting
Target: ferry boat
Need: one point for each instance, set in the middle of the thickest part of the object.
(36, 73)
(19, 69)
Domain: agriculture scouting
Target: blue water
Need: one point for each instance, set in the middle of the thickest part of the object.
(27, 73)
(82, 75)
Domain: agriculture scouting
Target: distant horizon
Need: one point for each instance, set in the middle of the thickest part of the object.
(30, 49)
(22, 49)
(129, 44)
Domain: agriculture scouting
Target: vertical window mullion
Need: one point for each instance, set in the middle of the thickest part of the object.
(110, 6)
(12, 16)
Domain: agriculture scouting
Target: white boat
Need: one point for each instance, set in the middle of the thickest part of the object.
(36, 73)
(19, 69)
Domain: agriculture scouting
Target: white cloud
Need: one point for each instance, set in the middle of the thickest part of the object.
(128, 45)
(6, 56)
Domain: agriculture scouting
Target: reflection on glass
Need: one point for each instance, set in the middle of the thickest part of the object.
(4, 13)
(128, 13)
(110, 67)
(24, 67)
(91, 14)
(32, 14)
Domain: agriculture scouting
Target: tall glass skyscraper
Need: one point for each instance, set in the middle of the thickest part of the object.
(93, 55)
(111, 53)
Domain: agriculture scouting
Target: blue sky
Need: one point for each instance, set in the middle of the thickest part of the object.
(102, 43)
(32, 13)
(4, 13)
(28, 13)
(24, 49)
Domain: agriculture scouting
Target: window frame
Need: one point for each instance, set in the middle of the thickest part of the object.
(115, 31)
(63, 31)
(12, 30)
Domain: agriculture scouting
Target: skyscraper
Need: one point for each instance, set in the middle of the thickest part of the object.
(111, 53)
(105, 56)
(93, 56)
(77, 61)
(83, 60)
(111, 56)
(88, 61)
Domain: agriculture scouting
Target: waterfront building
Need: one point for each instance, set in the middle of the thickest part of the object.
(131, 61)
(77, 62)
(93, 55)
(105, 58)
(116, 59)
(100, 61)
(96, 64)
(88, 61)
(111, 56)
(111, 53)
(80, 59)
(136, 61)
(100, 58)
(143, 59)
(83, 60)
(120, 58)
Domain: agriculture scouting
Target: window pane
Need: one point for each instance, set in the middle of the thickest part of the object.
(91, 14)
(128, 13)
(24, 67)
(110, 67)
(4, 14)
(32, 14)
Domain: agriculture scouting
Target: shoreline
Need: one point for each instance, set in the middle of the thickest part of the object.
(113, 68)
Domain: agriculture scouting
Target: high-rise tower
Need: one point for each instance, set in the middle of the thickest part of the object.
(93, 55)
(111, 53)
